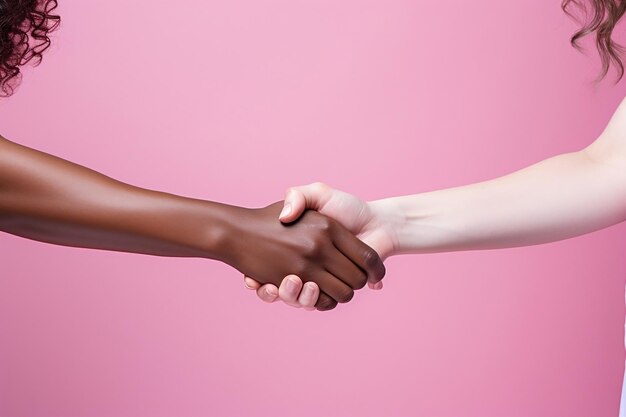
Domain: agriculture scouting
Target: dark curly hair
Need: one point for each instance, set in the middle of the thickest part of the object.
(24, 29)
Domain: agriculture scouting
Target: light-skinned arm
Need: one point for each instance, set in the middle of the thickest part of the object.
(559, 198)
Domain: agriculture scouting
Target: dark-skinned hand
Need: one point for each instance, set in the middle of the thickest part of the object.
(316, 248)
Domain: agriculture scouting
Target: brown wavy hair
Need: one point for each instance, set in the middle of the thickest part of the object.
(599, 19)
(24, 29)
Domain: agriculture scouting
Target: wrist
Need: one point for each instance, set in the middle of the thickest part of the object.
(219, 232)
(191, 227)
(420, 223)
(387, 220)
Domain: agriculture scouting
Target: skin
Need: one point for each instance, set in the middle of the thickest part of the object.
(48, 199)
(559, 198)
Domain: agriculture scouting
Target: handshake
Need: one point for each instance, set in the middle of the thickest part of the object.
(320, 245)
(329, 245)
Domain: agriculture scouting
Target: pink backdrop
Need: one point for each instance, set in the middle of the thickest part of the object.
(236, 100)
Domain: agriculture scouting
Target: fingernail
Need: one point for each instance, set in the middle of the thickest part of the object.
(292, 284)
(271, 292)
(308, 288)
(286, 211)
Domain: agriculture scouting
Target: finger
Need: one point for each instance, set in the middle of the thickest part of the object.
(289, 290)
(308, 296)
(344, 269)
(376, 286)
(267, 293)
(298, 199)
(362, 255)
(333, 287)
(325, 303)
(250, 283)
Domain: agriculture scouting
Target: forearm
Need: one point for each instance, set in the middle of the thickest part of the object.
(52, 200)
(559, 198)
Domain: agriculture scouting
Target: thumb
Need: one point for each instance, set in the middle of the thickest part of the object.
(298, 199)
(293, 206)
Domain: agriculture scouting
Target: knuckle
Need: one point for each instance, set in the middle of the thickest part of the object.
(312, 248)
(322, 242)
(291, 192)
(323, 225)
(319, 187)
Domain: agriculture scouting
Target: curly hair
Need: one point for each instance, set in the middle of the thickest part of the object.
(600, 18)
(24, 29)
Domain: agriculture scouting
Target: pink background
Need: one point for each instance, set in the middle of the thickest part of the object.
(235, 101)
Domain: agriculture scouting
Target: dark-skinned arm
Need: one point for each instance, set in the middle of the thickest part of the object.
(49, 199)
